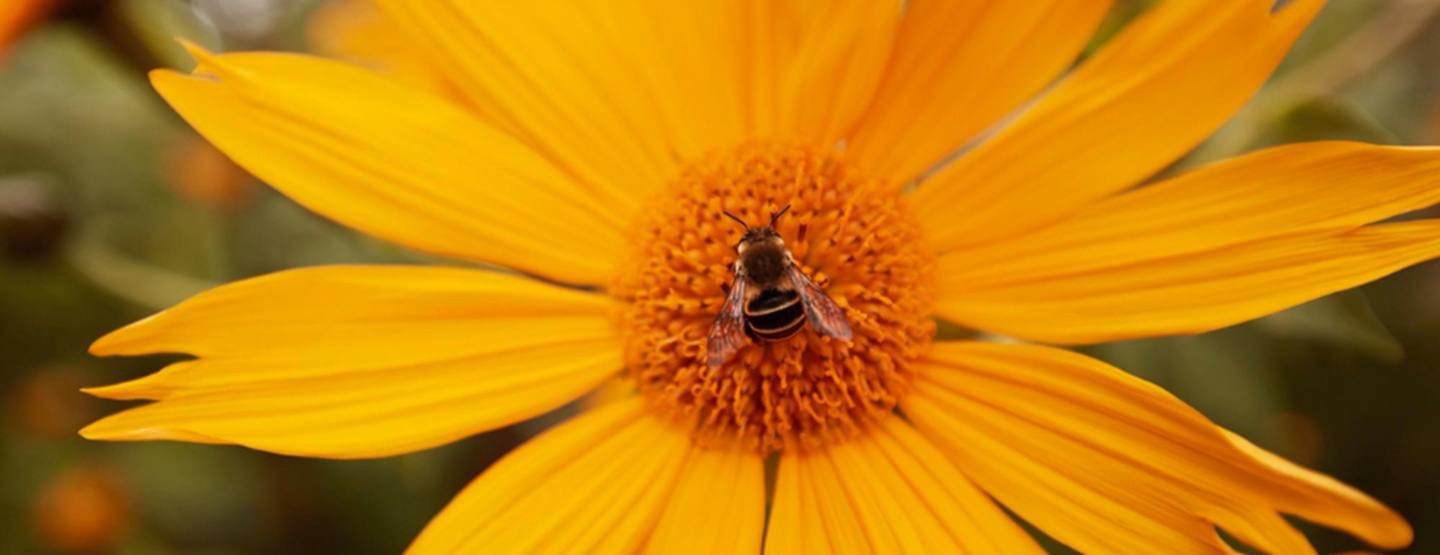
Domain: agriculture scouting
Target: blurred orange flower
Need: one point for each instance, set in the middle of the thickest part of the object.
(16, 18)
(203, 174)
(44, 404)
(85, 510)
(595, 151)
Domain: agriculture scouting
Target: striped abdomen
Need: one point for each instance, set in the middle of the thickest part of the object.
(774, 315)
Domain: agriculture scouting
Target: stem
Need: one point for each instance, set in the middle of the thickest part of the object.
(146, 285)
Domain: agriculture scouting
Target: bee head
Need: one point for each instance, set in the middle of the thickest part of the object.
(760, 234)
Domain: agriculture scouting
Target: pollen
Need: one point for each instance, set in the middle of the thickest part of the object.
(850, 233)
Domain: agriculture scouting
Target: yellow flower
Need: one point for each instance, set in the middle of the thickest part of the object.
(593, 150)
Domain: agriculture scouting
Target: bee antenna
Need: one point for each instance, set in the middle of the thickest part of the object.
(778, 214)
(733, 217)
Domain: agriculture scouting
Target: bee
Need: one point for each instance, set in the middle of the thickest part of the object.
(771, 298)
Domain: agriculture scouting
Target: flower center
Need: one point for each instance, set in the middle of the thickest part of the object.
(849, 233)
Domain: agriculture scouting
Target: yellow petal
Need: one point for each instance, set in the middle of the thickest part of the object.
(1107, 463)
(691, 56)
(717, 507)
(1152, 94)
(811, 512)
(617, 91)
(354, 362)
(900, 490)
(957, 68)
(1188, 293)
(837, 66)
(566, 76)
(397, 163)
(771, 33)
(1281, 191)
(596, 484)
(356, 31)
(1324, 500)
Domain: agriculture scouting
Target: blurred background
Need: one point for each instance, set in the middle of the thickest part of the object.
(112, 209)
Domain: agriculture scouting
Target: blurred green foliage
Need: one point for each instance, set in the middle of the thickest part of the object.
(118, 211)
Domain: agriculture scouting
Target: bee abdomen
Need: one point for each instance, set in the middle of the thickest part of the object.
(775, 315)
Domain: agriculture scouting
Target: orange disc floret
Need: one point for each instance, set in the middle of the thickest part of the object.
(851, 234)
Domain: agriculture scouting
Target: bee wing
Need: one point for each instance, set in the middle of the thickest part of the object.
(825, 316)
(727, 335)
